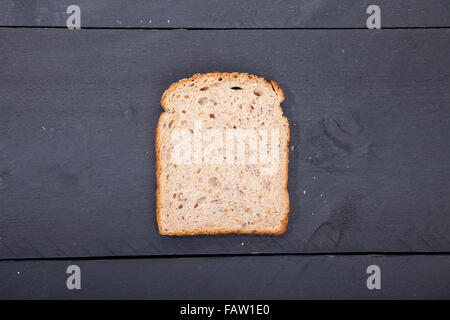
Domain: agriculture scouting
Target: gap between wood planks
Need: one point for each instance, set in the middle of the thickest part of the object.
(225, 255)
(224, 28)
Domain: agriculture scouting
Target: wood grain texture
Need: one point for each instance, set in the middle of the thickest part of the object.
(369, 119)
(275, 277)
(226, 14)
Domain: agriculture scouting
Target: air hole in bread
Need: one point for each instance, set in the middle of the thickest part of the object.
(184, 111)
(220, 79)
(257, 93)
(236, 88)
(271, 84)
(204, 89)
(203, 101)
(212, 116)
(200, 200)
(214, 182)
(170, 124)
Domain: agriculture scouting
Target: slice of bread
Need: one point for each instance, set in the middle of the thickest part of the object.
(222, 149)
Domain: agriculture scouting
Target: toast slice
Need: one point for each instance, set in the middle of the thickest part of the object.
(222, 156)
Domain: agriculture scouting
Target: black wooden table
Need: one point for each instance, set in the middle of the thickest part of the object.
(369, 176)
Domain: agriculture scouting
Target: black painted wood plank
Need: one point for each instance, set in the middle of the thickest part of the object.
(226, 14)
(270, 277)
(79, 111)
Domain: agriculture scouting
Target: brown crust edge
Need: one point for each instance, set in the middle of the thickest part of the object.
(158, 171)
(272, 85)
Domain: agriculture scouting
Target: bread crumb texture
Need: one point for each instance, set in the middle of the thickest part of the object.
(219, 198)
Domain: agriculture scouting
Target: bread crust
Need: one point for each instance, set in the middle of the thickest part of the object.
(158, 171)
(272, 85)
